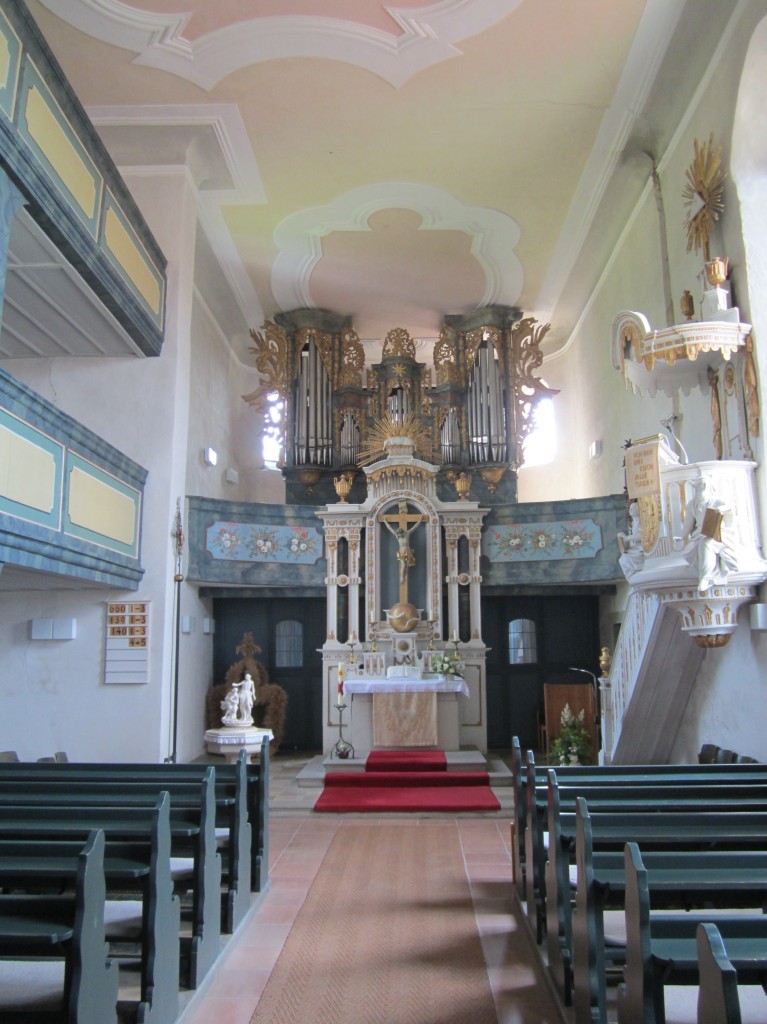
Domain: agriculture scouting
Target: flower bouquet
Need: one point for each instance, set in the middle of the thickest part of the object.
(573, 745)
(445, 663)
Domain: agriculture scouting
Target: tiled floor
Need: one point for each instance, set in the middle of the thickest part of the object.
(298, 843)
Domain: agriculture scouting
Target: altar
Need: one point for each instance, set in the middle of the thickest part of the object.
(403, 659)
(388, 712)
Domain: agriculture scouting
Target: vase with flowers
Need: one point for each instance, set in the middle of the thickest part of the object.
(573, 745)
(446, 663)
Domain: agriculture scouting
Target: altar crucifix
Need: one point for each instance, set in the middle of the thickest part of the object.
(405, 522)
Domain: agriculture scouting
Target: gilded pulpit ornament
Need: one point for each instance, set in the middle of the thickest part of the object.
(703, 195)
(687, 305)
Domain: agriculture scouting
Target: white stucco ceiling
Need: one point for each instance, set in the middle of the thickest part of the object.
(396, 164)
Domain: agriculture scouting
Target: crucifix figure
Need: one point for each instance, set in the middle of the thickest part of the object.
(406, 522)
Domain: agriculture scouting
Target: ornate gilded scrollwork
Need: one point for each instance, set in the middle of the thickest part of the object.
(398, 342)
(528, 390)
(473, 339)
(271, 352)
(323, 343)
(445, 364)
(352, 358)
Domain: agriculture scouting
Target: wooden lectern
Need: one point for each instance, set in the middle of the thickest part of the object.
(580, 696)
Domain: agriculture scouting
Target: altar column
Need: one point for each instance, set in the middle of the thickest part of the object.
(353, 538)
(475, 604)
(331, 625)
(452, 534)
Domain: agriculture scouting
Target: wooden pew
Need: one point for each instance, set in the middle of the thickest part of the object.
(105, 786)
(662, 796)
(729, 878)
(72, 927)
(252, 777)
(616, 793)
(145, 863)
(681, 825)
(720, 999)
(192, 836)
(663, 950)
(525, 777)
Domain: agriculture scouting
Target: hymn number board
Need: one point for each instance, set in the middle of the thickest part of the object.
(127, 647)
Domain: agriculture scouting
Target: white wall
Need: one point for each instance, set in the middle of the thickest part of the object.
(52, 694)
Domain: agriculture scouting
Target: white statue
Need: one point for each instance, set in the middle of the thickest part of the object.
(230, 705)
(630, 544)
(247, 698)
(712, 535)
(238, 703)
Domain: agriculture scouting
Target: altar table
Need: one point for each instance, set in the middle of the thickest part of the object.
(405, 711)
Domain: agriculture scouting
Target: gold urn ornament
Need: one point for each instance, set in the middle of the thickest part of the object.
(716, 271)
(343, 484)
(463, 486)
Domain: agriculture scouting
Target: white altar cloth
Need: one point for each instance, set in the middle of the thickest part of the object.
(404, 684)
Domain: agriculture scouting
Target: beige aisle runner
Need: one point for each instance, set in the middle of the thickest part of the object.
(386, 936)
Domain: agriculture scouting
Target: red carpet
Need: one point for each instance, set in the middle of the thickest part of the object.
(420, 789)
(406, 761)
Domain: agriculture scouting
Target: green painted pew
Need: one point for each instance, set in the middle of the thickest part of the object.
(677, 879)
(69, 927)
(193, 837)
(662, 950)
(142, 864)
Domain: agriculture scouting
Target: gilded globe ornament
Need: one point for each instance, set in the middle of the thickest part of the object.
(403, 617)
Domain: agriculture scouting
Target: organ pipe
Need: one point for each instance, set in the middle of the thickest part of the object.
(487, 430)
(313, 440)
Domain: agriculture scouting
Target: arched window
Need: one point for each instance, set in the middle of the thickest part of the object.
(523, 648)
(541, 442)
(289, 644)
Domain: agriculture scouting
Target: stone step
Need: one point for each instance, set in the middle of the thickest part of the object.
(313, 774)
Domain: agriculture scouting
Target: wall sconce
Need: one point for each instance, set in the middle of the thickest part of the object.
(210, 456)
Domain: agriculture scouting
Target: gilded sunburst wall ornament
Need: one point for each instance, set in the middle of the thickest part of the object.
(386, 427)
(703, 195)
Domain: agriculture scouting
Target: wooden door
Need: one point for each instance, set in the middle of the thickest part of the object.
(533, 640)
(290, 632)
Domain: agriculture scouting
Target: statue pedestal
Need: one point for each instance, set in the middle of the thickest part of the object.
(231, 739)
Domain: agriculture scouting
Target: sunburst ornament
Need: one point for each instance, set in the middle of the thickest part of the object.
(386, 427)
(702, 195)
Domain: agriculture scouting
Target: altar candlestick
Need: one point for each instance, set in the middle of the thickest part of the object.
(341, 675)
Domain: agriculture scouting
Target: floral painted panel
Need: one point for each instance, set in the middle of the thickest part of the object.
(245, 542)
(528, 542)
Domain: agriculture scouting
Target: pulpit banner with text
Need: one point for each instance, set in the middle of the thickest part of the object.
(643, 483)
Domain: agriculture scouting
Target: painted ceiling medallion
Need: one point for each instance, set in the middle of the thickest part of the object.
(427, 36)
